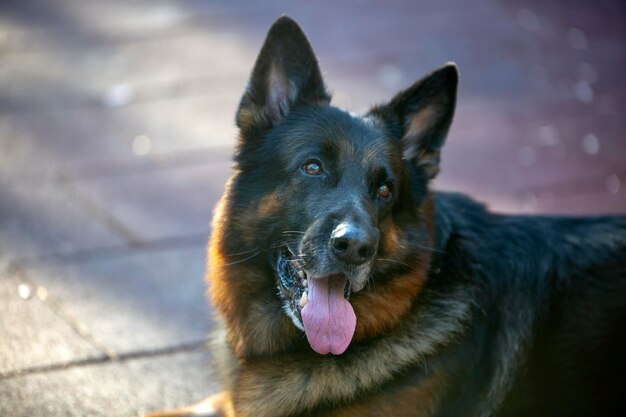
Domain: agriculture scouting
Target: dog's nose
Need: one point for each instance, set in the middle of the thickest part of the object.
(351, 244)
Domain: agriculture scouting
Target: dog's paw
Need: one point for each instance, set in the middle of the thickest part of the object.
(214, 406)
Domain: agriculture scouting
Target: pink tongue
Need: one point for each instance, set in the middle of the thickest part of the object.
(328, 318)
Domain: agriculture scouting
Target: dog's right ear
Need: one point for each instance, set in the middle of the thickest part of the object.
(286, 73)
(421, 115)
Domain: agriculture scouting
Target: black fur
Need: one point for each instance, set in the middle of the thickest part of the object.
(551, 306)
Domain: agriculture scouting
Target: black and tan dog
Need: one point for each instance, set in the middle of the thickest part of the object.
(347, 288)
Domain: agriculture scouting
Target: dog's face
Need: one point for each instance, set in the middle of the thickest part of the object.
(340, 173)
(331, 199)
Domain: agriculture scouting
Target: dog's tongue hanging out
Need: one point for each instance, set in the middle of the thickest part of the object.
(329, 320)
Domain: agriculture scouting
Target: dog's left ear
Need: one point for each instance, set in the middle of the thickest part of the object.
(421, 116)
(286, 73)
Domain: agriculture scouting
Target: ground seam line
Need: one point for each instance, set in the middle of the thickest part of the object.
(199, 345)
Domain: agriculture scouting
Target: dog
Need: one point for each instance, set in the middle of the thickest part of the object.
(346, 287)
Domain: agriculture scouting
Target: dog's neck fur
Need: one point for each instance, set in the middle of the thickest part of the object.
(269, 387)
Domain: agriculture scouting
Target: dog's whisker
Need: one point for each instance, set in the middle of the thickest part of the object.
(416, 245)
(283, 243)
(245, 259)
(295, 260)
(230, 255)
(395, 261)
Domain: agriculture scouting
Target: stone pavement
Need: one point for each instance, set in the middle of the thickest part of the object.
(116, 131)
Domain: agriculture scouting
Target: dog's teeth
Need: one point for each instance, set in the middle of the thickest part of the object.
(301, 274)
(304, 282)
(303, 300)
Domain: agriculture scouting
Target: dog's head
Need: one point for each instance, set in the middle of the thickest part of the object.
(329, 201)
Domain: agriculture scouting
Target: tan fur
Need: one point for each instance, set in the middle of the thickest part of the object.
(419, 125)
(408, 401)
(395, 296)
(391, 240)
(246, 118)
(268, 205)
(254, 328)
(391, 301)
(429, 161)
(421, 121)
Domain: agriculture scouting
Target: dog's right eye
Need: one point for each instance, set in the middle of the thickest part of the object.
(312, 167)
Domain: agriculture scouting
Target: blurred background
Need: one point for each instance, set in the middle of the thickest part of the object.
(116, 134)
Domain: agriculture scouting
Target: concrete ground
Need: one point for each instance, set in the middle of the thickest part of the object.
(116, 131)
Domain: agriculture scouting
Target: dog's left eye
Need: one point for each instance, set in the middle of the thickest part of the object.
(313, 167)
(384, 191)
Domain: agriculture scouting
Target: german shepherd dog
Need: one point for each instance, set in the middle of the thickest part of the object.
(346, 287)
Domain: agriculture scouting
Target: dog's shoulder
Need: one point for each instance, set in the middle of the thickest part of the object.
(576, 240)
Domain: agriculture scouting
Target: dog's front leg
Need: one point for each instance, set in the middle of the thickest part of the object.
(217, 405)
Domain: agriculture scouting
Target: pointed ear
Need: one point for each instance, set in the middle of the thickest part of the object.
(421, 116)
(285, 73)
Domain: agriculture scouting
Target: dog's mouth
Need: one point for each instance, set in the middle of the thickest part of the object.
(317, 305)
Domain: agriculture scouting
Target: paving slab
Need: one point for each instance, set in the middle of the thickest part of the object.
(65, 137)
(113, 389)
(59, 77)
(136, 300)
(43, 218)
(32, 335)
(161, 204)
